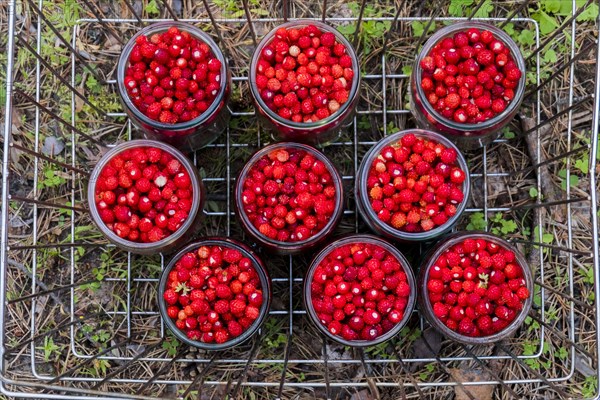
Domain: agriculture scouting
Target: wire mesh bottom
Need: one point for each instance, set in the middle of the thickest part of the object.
(103, 315)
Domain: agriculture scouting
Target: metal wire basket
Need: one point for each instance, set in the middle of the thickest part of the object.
(78, 317)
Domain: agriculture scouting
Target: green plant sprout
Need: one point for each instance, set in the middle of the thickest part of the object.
(371, 32)
(51, 350)
(499, 225)
(170, 344)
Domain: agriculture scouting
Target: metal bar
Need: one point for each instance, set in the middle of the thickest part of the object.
(564, 296)
(49, 291)
(559, 30)
(64, 41)
(170, 10)
(363, 3)
(77, 392)
(57, 117)
(584, 100)
(109, 28)
(506, 350)
(10, 56)
(59, 245)
(57, 75)
(447, 371)
(411, 378)
(135, 14)
(123, 367)
(251, 356)
(60, 326)
(215, 26)
(46, 203)
(549, 203)
(593, 195)
(88, 360)
(485, 366)
(553, 247)
(474, 10)
(386, 37)
(249, 20)
(559, 70)
(550, 160)
(562, 337)
(515, 12)
(326, 367)
(161, 371)
(42, 156)
(285, 6)
(199, 378)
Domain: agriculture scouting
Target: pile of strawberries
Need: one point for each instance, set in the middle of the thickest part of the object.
(359, 291)
(304, 75)
(172, 76)
(213, 294)
(470, 77)
(144, 194)
(288, 195)
(415, 185)
(476, 288)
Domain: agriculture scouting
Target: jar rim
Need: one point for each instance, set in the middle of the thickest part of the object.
(304, 125)
(258, 266)
(450, 30)
(368, 239)
(444, 245)
(141, 247)
(362, 193)
(336, 179)
(161, 27)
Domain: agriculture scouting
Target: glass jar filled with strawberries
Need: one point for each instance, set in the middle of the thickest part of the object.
(412, 185)
(304, 79)
(476, 288)
(174, 83)
(146, 196)
(289, 197)
(468, 82)
(214, 294)
(359, 290)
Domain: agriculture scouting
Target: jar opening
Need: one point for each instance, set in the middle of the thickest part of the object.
(304, 125)
(162, 27)
(448, 31)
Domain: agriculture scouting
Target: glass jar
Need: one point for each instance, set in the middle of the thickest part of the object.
(258, 266)
(467, 136)
(425, 305)
(289, 247)
(319, 133)
(170, 243)
(362, 194)
(190, 135)
(360, 239)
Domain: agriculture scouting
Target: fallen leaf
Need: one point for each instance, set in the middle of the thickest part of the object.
(15, 154)
(428, 345)
(478, 392)
(52, 146)
(78, 103)
(112, 44)
(16, 120)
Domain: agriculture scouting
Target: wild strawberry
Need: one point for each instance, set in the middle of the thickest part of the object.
(237, 307)
(171, 297)
(452, 100)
